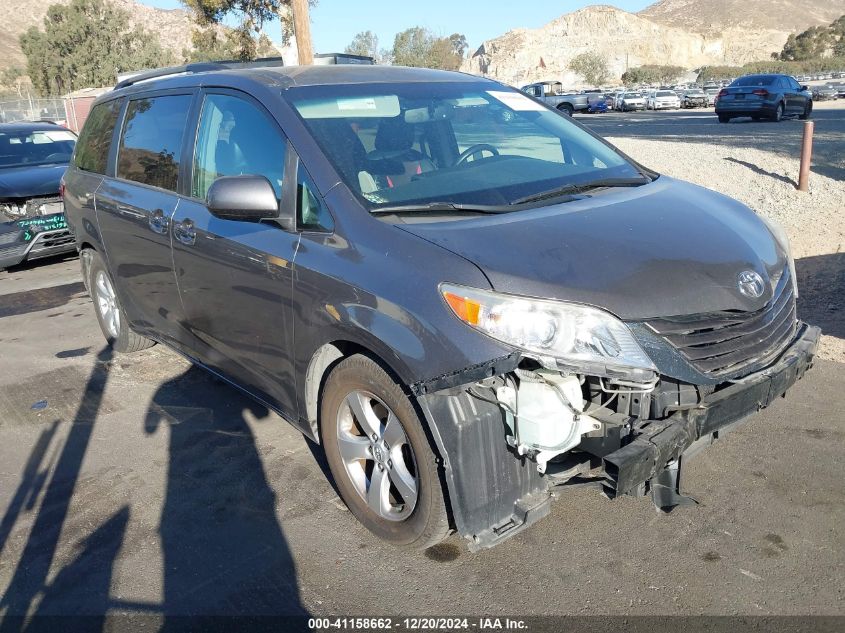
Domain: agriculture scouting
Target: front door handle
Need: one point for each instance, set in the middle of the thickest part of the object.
(185, 232)
(158, 222)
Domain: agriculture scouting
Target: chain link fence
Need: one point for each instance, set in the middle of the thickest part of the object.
(31, 109)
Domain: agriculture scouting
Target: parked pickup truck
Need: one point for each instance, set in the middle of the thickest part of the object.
(553, 94)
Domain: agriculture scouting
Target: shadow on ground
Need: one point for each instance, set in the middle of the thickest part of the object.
(224, 552)
(90, 572)
(759, 170)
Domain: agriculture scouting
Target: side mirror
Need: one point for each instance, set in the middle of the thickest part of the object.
(805, 88)
(245, 198)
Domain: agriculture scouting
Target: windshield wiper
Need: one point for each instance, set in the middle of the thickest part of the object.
(570, 189)
(429, 207)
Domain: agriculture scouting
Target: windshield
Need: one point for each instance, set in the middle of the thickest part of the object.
(35, 147)
(755, 80)
(460, 143)
(666, 93)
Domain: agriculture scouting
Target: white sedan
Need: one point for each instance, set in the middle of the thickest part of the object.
(662, 100)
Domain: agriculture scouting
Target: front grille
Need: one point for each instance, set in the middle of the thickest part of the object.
(53, 239)
(725, 343)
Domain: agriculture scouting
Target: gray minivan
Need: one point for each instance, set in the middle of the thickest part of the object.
(471, 301)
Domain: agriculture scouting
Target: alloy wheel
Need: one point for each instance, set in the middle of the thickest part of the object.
(377, 456)
(107, 303)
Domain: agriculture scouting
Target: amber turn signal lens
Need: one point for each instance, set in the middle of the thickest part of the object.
(466, 309)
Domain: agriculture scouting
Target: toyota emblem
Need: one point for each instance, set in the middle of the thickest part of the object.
(751, 284)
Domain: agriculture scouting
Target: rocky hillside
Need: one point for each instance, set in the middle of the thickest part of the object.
(173, 27)
(688, 33)
(713, 17)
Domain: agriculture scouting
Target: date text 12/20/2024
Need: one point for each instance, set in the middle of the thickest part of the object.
(417, 624)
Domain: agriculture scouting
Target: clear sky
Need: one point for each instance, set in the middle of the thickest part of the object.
(335, 22)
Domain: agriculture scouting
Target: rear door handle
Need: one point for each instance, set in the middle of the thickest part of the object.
(185, 232)
(158, 222)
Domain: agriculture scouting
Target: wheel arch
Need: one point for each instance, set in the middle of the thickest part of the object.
(86, 248)
(324, 360)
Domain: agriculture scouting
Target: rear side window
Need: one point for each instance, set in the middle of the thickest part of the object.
(92, 149)
(236, 138)
(151, 144)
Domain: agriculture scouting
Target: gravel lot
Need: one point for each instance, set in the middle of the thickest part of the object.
(757, 163)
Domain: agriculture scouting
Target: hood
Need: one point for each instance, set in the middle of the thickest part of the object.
(29, 181)
(663, 249)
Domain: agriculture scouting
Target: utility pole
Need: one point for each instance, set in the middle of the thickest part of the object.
(302, 31)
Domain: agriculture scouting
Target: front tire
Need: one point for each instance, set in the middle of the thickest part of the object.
(724, 118)
(110, 315)
(808, 111)
(380, 456)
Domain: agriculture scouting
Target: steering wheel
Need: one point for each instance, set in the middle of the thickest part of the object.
(474, 150)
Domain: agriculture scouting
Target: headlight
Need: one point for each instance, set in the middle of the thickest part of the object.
(783, 241)
(575, 335)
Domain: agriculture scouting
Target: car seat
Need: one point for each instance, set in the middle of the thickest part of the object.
(394, 143)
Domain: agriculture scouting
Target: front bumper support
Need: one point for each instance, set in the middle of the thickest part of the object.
(665, 441)
(495, 493)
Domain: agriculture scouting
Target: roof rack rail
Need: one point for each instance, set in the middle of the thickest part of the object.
(128, 79)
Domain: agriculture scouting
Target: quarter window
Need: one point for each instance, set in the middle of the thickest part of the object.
(92, 149)
(312, 213)
(235, 138)
(151, 146)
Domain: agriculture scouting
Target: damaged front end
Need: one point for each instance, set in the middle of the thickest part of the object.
(516, 431)
(32, 228)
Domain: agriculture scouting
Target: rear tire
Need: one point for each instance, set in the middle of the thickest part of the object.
(399, 456)
(778, 115)
(808, 111)
(567, 109)
(724, 118)
(110, 315)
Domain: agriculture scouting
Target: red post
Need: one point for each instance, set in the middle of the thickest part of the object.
(806, 156)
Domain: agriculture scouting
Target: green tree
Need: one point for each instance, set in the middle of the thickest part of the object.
(718, 73)
(364, 43)
(651, 74)
(459, 44)
(591, 66)
(412, 47)
(86, 43)
(215, 44)
(419, 47)
(252, 14)
(815, 43)
(13, 80)
(838, 31)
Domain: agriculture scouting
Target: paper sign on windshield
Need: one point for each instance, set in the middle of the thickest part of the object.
(516, 100)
